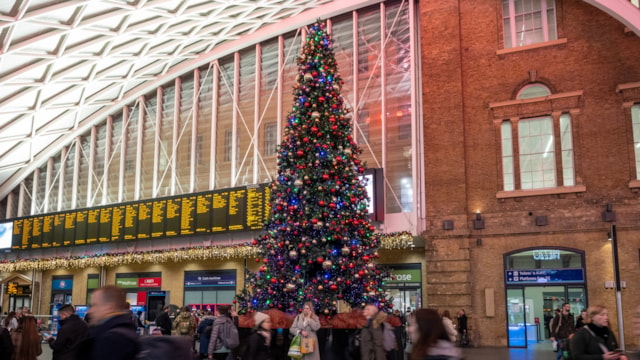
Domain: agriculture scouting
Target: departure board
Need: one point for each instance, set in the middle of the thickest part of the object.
(144, 219)
(117, 223)
(69, 229)
(36, 232)
(172, 217)
(157, 218)
(81, 227)
(217, 211)
(255, 208)
(47, 231)
(203, 213)
(58, 230)
(130, 221)
(27, 228)
(187, 215)
(93, 225)
(105, 225)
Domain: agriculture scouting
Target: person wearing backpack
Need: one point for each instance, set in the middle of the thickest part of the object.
(112, 335)
(204, 330)
(306, 324)
(224, 335)
(185, 323)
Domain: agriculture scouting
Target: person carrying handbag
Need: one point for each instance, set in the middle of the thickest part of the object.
(306, 324)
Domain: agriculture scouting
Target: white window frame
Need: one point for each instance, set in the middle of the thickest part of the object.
(511, 16)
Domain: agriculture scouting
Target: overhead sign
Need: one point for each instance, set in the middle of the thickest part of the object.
(210, 279)
(127, 282)
(62, 284)
(150, 282)
(545, 276)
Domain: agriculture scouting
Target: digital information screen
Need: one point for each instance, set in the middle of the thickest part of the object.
(218, 211)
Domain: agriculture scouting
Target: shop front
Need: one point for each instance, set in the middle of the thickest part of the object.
(405, 286)
(538, 281)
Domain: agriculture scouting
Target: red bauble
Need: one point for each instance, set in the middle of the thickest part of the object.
(333, 287)
(319, 260)
(321, 202)
(300, 153)
(325, 177)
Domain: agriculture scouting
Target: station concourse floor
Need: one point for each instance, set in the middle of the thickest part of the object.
(540, 351)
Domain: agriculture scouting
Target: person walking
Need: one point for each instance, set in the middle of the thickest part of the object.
(163, 321)
(306, 324)
(562, 329)
(73, 331)
(596, 340)
(448, 326)
(429, 337)
(259, 346)
(204, 332)
(581, 318)
(371, 335)
(216, 349)
(462, 328)
(112, 335)
(26, 340)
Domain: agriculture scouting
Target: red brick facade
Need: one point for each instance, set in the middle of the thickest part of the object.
(464, 71)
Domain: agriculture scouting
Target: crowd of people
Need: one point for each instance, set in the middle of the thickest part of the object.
(111, 333)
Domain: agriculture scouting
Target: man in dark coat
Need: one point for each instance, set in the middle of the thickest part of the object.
(563, 328)
(73, 331)
(163, 321)
(112, 334)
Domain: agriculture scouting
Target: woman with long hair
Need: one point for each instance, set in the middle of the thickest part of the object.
(429, 337)
(26, 340)
(306, 324)
(11, 321)
(595, 340)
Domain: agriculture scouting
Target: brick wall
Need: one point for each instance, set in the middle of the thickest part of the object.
(461, 75)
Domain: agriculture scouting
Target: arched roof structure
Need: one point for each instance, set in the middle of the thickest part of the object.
(65, 65)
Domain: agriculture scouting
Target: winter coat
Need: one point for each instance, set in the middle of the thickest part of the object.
(204, 340)
(443, 350)
(451, 330)
(183, 317)
(215, 342)
(6, 346)
(586, 345)
(256, 348)
(73, 331)
(310, 325)
(462, 323)
(163, 321)
(563, 326)
(371, 338)
(113, 339)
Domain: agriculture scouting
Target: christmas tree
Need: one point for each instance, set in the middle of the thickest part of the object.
(317, 244)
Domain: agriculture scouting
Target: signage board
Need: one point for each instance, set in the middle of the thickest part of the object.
(545, 276)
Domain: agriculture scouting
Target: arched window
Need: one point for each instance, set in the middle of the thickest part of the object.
(532, 91)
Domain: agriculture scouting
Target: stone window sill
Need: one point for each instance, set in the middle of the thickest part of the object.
(531, 47)
(547, 191)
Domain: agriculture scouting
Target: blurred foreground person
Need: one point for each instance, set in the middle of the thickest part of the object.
(596, 340)
(112, 335)
(429, 337)
(259, 347)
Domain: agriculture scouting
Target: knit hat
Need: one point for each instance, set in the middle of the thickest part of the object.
(259, 317)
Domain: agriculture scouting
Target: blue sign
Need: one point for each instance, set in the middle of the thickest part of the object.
(545, 276)
(210, 279)
(156, 293)
(64, 284)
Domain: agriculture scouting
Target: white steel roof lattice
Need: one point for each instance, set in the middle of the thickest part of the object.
(65, 63)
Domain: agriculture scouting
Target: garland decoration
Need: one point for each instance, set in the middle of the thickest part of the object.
(126, 258)
(395, 240)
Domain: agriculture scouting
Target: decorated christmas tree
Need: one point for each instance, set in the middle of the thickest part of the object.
(317, 244)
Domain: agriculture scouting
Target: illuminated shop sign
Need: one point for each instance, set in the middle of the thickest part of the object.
(546, 254)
